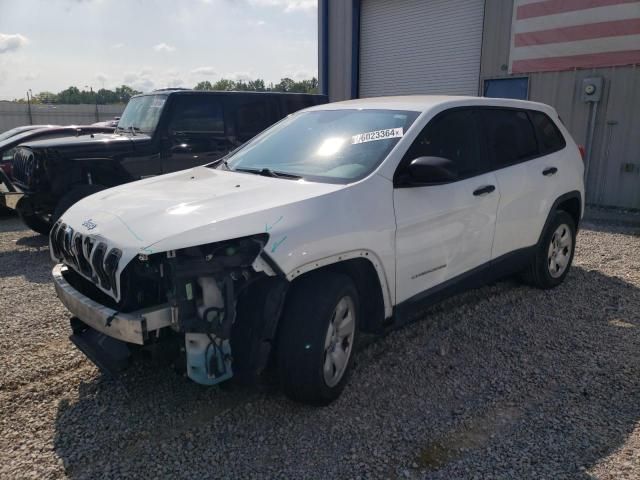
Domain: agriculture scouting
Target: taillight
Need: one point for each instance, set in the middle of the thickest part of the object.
(583, 152)
(7, 168)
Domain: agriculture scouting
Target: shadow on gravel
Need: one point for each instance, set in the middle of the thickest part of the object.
(33, 263)
(34, 241)
(528, 383)
(9, 222)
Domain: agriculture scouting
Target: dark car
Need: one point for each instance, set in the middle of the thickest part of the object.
(10, 140)
(25, 128)
(159, 132)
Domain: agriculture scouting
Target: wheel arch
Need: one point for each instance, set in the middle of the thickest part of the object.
(570, 202)
(366, 270)
(104, 170)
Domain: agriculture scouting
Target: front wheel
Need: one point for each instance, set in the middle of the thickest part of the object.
(554, 253)
(316, 338)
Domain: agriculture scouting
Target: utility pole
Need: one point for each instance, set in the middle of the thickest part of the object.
(29, 108)
(95, 100)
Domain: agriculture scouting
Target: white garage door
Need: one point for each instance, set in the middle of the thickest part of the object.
(420, 47)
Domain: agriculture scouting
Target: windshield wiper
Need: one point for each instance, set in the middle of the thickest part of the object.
(266, 172)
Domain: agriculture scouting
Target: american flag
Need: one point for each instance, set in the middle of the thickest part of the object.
(552, 35)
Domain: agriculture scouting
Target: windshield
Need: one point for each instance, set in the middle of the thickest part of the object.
(142, 113)
(336, 146)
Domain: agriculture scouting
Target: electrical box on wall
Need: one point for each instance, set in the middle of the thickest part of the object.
(592, 89)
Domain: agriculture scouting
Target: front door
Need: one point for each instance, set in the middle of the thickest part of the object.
(195, 134)
(445, 230)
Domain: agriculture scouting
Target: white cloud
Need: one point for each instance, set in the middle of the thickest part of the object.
(204, 71)
(10, 42)
(245, 76)
(163, 47)
(31, 76)
(140, 80)
(287, 5)
(117, 45)
(299, 72)
(101, 77)
(256, 23)
(175, 82)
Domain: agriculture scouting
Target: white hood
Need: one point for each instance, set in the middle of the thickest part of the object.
(187, 208)
(306, 222)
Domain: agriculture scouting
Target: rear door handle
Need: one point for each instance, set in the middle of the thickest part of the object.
(549, 171)
(484, 190)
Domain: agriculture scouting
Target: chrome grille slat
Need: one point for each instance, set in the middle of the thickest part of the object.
(23, 166)
(94, 261)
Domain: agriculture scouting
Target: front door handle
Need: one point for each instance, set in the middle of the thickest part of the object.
(549, 171)
(484, 190)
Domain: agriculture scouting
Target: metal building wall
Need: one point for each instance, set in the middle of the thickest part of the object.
(340, 37)
(614, 172)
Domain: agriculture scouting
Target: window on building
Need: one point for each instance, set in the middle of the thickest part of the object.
(510, 136)
(517, 88)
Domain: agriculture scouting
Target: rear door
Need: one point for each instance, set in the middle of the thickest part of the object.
(443, 231)
(196, 132)
(527, 175)
(251, 114)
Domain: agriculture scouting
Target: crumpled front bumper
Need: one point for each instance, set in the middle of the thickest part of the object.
(131, 327)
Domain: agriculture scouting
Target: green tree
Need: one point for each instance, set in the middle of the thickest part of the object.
(206, 85)
(224, 84)
(257, 85)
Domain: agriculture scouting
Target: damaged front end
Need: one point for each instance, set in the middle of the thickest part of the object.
(212, 308)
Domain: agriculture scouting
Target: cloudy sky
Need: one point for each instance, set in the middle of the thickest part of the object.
(52, 44)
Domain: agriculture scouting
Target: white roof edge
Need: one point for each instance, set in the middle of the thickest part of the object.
(423, 103)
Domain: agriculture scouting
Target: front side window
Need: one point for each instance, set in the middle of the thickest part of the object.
(142, 114)
(336, 146)
(550, 138)
(510, 136)
(452, 135)
(197, 114)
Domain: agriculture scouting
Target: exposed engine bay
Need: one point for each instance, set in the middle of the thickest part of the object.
(223, 302)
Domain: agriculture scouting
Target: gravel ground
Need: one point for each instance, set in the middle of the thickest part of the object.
(501, 382)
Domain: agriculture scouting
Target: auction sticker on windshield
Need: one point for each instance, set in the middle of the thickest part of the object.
(377, 135)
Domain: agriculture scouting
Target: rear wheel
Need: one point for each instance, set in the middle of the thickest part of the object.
(554, 253)
(75, 195)
(316, 338)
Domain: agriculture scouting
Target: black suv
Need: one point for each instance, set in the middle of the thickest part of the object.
(160, 132)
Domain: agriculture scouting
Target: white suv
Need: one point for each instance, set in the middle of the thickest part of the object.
(338, 219)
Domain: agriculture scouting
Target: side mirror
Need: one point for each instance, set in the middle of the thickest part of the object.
(431, 170)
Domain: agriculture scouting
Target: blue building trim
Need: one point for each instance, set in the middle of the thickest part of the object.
(324, 45)
(355, 49)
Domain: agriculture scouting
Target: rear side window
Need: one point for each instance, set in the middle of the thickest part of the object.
(293, 103)
(452, 135)
(549, 137)
(252, 118)
(197, 114)
(510, 136)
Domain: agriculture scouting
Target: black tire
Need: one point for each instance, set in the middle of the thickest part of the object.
(539, 272)
(36, 223)
(75, 195)
(301, 355)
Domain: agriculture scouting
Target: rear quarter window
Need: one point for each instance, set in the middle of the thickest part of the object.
(550, 138)
(510, 135)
